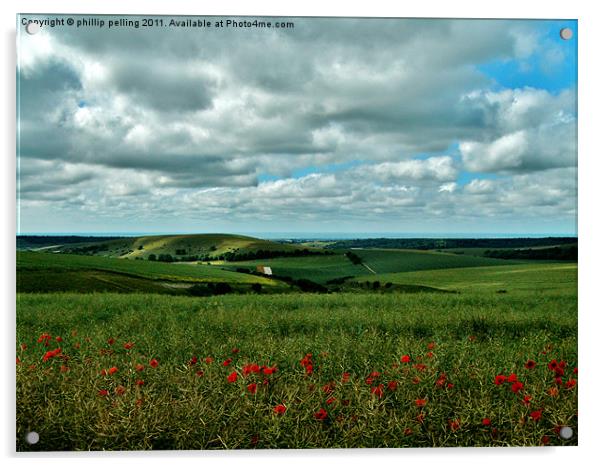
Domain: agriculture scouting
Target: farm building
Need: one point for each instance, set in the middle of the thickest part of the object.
(264, 270)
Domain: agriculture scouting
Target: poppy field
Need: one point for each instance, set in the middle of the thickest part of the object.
(141, 371)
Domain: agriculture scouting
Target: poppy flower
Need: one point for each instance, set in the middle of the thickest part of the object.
(536, 415)
(51, 354)
(120, 390)
(517, 387)
(530, 364)
(321, 414)
(24, 347)
(553, 391)
(44, 338)
(450, 385)
(128, 345)
(545, 440)
(378, 390)
(420, 417)
(64, 368)
(558, 380)
(110, 341)
(153, 363)
(527, 400)
(331, 400)
(139, 367)
(250, 369)
(200, 373)
(431, 345)
(112, 370)
(252, 388)
(392, 385)
(405, 358)
(345, 377)
(269, 370)
(454, 425)
(328, 388)
(59, 339)
(570, 383)
(512, 378)
(575, 371)
(235, 350)
(227, 362)
(420, 367)
(208, 360)
(407, 432)
(280, 409)
(416, 380)
(486, 422)
(499, 379)
(309, 369)
(139, 382)
(430, 354)
(103, 392)
(193, 361)
(232, 377)
(420, 402)
(553, 364)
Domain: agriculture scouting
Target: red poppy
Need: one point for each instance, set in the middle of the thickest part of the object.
(405, 358)
(139, 367)
(110, 341)
(454, 425)
(570, 383)
(51, 354)
(321, 415)
(527, 400)
(112, 370)
(250, 369)
(59, 339)
(252, 388)
(153, 363)
(441, 380)
(553, 364)
(227, 362)
(346, 376)
(499, 379)
(193, 361)
(103, 392)
(416, 380)
(232, 377)
(536, 415)
(18, 360)
(450, 385)
(24, 347)
(392, 385)
(486, 422)
(345, 402)
(575, 370)
(235, 350)
(120, 390)
(331, 400)
(200, 373)
(512, 378)
(64, 368)
(420, 417)
(545, 440)
(128, 345)
(430, 354)
(309, 369)
(378, 390)
(328, 388)
(407, 431)
(517, 387)
(208, 360)
(269, 370)
(139, 382)
(558, 380)
(420, 402)
(280, 409)
(553, 391)
(431, 345)
(103, 372)
(44, 338)
(420, 367)
(530, 364)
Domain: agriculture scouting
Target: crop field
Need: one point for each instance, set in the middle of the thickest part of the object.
(107, 371)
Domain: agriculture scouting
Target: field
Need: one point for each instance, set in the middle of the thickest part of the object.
(493, 363)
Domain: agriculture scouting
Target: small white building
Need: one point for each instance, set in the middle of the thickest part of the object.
(264, 270)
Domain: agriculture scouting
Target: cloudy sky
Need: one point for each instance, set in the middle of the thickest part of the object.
(337, 125)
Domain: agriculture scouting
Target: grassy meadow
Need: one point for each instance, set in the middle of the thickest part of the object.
(492, 364)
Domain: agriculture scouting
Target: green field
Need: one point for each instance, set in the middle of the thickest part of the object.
(410, 361)
(38, 271)
(527, 278)
(475, 336)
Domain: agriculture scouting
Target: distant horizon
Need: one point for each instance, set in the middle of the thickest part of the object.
(315, 235)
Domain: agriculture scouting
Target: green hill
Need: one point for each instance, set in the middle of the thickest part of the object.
(180, 247)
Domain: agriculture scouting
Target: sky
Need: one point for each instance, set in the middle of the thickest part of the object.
(338, 125)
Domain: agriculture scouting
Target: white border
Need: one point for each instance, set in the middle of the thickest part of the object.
(590, 234)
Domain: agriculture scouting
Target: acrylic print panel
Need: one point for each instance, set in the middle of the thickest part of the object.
(261, 233)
